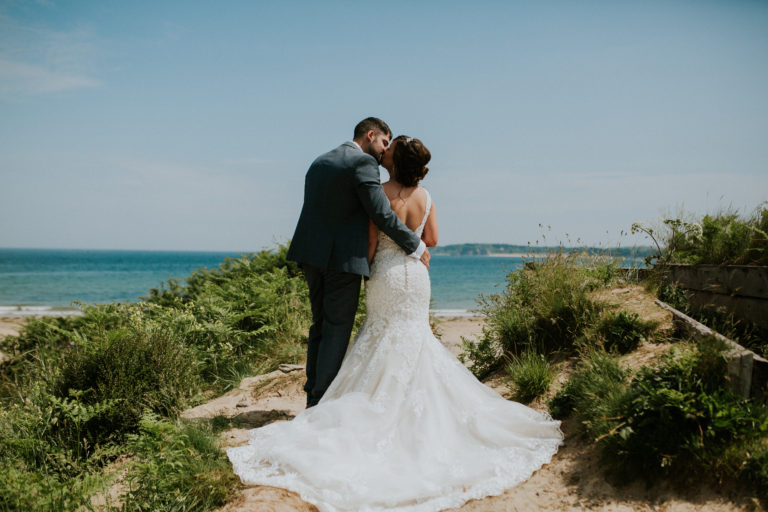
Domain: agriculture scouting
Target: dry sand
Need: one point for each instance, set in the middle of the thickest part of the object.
(9, 326)
(574, 480)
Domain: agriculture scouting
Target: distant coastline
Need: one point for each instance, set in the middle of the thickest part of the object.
(510, 254)
(526, 251)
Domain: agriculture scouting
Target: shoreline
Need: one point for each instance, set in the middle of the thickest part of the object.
(25, 311)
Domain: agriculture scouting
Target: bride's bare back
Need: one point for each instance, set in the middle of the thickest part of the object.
(409, 204)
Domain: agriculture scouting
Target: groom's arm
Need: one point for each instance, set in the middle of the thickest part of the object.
(373, 240)
(376, 205)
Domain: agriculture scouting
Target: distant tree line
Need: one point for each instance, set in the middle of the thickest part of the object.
(489, 249)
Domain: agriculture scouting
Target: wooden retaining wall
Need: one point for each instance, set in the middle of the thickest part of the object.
(747, 371)
(741, 290)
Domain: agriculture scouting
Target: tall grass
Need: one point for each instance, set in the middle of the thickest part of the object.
(545, 308)
(177, 468)
(530, 375)
(726, 237)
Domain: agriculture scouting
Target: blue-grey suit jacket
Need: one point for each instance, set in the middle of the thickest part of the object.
(342, 190)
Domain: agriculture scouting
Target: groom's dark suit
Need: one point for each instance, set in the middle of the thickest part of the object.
(342, 191)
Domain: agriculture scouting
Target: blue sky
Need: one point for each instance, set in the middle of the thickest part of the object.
(190, 125)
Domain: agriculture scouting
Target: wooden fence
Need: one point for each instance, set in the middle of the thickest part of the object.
(740, 290)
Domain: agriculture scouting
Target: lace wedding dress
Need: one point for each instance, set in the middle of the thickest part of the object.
(404, 426)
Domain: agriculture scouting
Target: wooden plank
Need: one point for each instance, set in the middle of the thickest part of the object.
(741, 280)
(746, 370)
(748, 309)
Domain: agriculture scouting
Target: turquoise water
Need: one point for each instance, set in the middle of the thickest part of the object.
(458, 280)
(36, 281)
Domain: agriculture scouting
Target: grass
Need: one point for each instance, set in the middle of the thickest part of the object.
(545, 308)
(81, 391)
(619, 331)
(742, 332)
(677, 420)
(177, 467)
(726, 237)
(530, 375)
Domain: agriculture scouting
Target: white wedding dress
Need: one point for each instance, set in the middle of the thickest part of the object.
(404, 426)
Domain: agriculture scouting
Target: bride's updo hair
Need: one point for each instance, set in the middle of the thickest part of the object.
(410, 159)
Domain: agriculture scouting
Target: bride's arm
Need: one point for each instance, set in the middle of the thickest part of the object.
(429, 235)
(373, 239)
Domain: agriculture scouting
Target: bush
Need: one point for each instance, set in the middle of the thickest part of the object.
(250, 314)
(46, 463)
(678, 419)
(545, 308)
(594, 393)
(722, 238)
(77, 386)
(145, 366)
(178, 467)
(531, 374)
(621, 331)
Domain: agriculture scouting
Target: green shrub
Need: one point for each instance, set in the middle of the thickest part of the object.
(76, 386)
(46, 461)
(145, 366)
(531, 374)
(594, 393)
(482, 355)
(250, 314)
(23, 489)
(678, 419)
(545, 308)
(178, 467)
(726, 237)
(621, 331)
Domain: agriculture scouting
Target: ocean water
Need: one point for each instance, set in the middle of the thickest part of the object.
(43, 281)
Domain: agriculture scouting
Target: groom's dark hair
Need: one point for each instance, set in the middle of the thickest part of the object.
(371, 123)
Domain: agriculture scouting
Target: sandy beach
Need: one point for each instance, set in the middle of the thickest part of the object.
(574, 480)
(9, 326)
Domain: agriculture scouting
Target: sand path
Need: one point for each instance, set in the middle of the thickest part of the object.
(573, 480)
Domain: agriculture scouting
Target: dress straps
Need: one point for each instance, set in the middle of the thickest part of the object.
(426, 212)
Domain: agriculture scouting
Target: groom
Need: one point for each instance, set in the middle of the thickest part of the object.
(342, 191)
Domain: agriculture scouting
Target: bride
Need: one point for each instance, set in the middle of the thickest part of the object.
(404, 426)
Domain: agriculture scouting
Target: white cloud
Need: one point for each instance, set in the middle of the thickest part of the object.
(37, 60)
(20, 77)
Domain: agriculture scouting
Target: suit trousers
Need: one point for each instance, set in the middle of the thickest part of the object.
(334, 297)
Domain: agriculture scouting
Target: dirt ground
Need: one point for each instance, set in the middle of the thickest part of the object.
(9, 326)
(574, 480)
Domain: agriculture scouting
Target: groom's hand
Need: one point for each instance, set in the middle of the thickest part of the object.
(425, 258)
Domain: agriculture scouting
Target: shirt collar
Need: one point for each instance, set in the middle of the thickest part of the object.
(358, 145)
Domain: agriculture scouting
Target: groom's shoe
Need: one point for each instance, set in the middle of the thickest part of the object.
(311, 403)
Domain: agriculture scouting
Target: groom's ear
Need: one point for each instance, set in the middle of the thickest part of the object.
(370, 135)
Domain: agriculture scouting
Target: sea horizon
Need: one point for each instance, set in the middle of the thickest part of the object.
(51, 282)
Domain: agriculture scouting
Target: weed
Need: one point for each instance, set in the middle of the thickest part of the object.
(621, 331)
(178, 467)
(531, 374)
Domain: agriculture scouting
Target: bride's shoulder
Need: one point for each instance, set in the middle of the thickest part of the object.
(423, 193)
